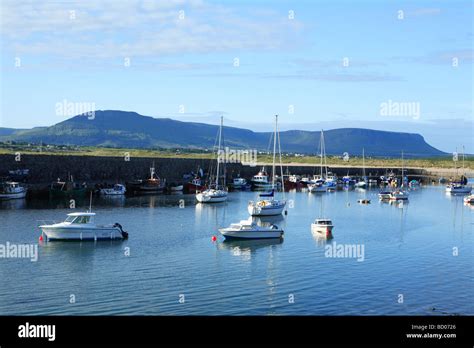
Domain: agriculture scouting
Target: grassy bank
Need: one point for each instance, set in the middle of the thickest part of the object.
(438, 162)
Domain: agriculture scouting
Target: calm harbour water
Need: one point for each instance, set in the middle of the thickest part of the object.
(408, 251)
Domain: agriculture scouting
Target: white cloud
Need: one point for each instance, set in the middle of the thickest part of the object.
(108, 28)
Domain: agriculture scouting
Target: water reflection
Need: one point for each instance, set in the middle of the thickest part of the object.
(13, 204)
(246, 248)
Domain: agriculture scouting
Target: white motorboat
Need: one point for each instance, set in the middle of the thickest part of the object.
(469, 199)
(458, 188)
(214, 194)
(322, 227)
(12, 190)
(361, 184)
(248, 229)
(398, 195)
(81, 226)
(117, 190)
(270, 206)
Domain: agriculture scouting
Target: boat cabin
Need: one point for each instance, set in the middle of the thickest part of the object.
(326, 222)
(80, 218)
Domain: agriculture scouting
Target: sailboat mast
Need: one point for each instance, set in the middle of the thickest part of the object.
(274, 151)
(403, 172)
(218, 153)
(363, 162)
(281, 164)
(321, 145)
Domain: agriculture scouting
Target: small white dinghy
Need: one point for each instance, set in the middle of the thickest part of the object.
(246, 229)
(117, 190)
(81, 226)
(322, 227)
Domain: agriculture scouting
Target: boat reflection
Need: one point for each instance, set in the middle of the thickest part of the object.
(320, 239)
(247, 248)
(13, 204)
(111, 200)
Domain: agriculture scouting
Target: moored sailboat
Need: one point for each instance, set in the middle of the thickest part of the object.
(270, 206)
(215, 193)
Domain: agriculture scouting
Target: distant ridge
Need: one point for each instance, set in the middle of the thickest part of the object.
(116, 128)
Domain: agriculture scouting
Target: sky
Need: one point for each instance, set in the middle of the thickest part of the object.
(390, 65)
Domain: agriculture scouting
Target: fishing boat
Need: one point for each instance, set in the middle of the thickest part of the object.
(12, 190)
(216, 193)
(260, 181)
(348, 180)
(240, 184)
(322, 227)
(269, 205)
(116, 190)
(331, 179)
(318, 184)
(247, 229)
(152, 185)
(67, 188)
(469, 199)
(81, 226)
(195, 185)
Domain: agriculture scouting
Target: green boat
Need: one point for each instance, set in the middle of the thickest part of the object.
(67, 189)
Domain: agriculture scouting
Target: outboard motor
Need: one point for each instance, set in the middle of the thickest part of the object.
(124, 234)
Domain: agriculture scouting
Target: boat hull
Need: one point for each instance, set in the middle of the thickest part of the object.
(316, 189)
(324, 231)
(81, 234)
(238, 234)
(255, 210)
(111, 192)
(16, 195)
(463, 190)
(202, 198)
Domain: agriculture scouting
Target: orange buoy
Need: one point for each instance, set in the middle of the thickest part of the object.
(214, 238)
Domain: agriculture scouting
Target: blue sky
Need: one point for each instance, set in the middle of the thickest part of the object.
(334, 63)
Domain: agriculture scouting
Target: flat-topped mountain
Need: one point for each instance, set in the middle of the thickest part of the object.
(131, 130)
